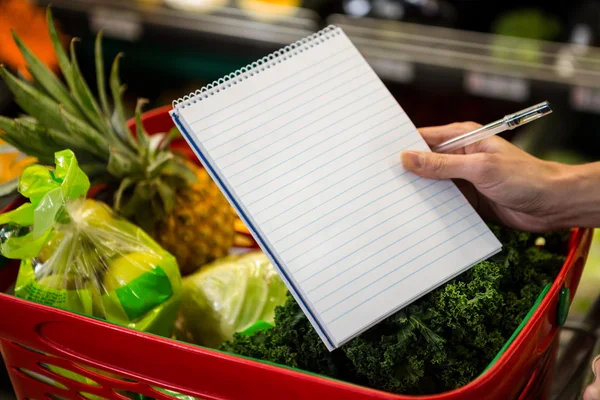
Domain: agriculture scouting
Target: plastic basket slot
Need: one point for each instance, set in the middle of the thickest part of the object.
(63, 376)
(41, 378)
(91, 396)
(67, 373)
(164, 394)
(55, 380)
(105, 374)
(125, 394)
(55, 397)
(27, 348)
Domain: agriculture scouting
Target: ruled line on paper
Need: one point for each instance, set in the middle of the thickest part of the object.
(295, 108)
(238, 137)
(312, 88)
(355, 292)
(408, 276)
(325, 268)
(349, 202)
(355, 160)
(347, 229)
(293, 75)
(329, 137)
(341, 194)
(329, 162)
(358, 263)
(333, 223)
(397, 188)
(380, 172)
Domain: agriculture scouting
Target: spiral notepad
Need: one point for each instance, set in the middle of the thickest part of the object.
(305, 144)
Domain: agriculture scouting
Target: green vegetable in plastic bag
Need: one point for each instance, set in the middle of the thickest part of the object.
(228, 296)
(77, 255)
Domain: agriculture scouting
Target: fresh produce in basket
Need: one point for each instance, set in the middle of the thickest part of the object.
(173, 200)
(441, 341)
(76, 254)
(228, 296)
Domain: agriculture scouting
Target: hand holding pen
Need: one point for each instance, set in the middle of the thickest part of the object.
(506, 184)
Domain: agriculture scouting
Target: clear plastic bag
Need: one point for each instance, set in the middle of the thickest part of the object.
(228, 296)
(78, 255)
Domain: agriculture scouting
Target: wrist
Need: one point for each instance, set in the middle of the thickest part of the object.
(575, 196)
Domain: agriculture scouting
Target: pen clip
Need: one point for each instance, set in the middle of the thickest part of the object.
(527, 115)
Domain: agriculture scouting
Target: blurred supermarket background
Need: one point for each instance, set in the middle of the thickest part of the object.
(444, 60)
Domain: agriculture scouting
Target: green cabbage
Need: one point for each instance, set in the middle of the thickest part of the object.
(228, 296)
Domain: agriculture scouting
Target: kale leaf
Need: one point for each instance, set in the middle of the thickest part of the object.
(441, 341)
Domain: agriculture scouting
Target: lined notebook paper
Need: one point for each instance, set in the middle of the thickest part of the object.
(306, 146)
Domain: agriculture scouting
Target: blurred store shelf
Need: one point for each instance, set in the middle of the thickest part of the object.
(143, 20)
(476, 64)
(493, 66)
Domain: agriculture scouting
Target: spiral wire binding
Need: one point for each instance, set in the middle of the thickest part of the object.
(256, 67)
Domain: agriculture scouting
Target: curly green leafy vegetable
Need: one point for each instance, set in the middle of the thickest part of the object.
(440, 342)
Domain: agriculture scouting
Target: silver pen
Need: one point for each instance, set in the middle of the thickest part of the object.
(509, 122)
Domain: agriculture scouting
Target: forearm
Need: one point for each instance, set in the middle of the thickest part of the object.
(576, 195)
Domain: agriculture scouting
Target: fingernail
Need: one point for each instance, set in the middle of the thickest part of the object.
(592, 393)
(413, 159)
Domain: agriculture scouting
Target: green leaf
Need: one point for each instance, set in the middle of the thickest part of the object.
(118, 119)
(63, 59)
(34, 102)
(9, 187)
(100, 73)
(36, 137)
(84, 96)
(167, 195)
(123, 186)
(142, 136)
(95, 171)
(179, 170)
(92, 137)
(40, 140)
(33, 83)
(120, 165)
(155, 143)
(42, 158)
(46, 78)
(172, 135)
(140, 200)
(155, 167)
(29, 137)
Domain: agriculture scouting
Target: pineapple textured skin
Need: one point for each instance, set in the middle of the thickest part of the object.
(200, 229)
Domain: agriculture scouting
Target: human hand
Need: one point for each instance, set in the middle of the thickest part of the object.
(593, 391)
(500, 180)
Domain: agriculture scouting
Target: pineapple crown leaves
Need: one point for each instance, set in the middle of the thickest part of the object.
(68, 116)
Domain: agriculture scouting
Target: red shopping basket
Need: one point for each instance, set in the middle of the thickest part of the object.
(33, 337)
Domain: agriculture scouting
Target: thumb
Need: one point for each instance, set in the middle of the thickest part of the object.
(443, 166)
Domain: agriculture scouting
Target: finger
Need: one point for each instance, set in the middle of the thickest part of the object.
(592, 393)
(475, 168)
(434, 135)
(438, 134)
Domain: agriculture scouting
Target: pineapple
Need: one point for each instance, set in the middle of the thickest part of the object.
(172, 199)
